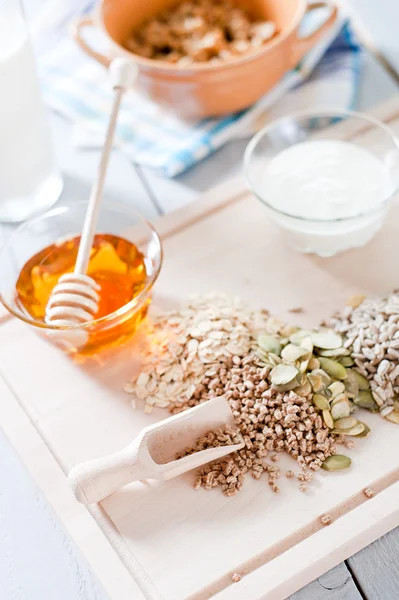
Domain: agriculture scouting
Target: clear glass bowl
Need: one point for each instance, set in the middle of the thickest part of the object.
(65, 223)
(324, 237)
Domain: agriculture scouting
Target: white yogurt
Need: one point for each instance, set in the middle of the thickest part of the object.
(326, 180)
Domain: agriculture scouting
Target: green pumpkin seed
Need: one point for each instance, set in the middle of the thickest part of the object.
(307, 344)
(299, 335)
(283, 374)
(291, 353)
(362, 382)
(345, 423)
(355, 430)
(365, 399)
(340, 409)
(351, 383)
(328, 420)
(334, 353)
(365, 431)
(273, 359)
(336, 388)
(347, 361)
(393, 417)
(269, 344)
(321, 402)
(327, 340)
(337, 462)
(333, 368)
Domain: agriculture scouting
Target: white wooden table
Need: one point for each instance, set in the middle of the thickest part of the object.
(38, 561)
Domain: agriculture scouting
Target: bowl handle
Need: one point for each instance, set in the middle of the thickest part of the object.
(304, 44)
(76, 33)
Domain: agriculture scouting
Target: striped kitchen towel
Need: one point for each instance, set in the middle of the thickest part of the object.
(77, 87)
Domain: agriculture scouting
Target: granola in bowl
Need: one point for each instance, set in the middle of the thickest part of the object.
(199, 31)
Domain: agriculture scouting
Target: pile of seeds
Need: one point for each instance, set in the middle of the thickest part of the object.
(269, 422)
(290, 389)
(372, 331)
(189, 346)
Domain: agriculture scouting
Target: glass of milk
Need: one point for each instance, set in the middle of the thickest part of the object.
(29, 179)
(326, 179)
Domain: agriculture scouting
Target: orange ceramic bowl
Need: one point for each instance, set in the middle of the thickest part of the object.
(208, 89)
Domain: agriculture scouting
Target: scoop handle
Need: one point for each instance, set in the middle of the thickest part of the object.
(94, 480)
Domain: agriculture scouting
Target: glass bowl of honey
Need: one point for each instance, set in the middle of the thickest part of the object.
(125, 262)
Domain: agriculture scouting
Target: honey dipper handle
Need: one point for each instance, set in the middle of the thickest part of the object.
(123, 72)
(96, 479)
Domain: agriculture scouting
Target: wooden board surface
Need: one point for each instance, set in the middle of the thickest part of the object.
(175, 542)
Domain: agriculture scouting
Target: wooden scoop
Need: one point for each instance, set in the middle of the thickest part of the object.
(152, 454)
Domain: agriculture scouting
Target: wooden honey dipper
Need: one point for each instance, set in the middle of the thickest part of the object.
(74, 300)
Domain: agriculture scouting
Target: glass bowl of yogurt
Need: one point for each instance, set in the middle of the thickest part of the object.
(325, 178)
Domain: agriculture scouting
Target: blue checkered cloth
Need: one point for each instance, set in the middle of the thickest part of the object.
(78, 88)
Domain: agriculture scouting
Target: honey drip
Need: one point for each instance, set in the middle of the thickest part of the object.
(115, 264)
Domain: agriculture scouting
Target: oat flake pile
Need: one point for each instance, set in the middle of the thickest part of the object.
(289, 389)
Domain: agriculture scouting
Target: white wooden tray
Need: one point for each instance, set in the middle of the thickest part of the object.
(174, 542)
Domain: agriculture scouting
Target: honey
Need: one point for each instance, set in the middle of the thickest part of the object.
(116, 265)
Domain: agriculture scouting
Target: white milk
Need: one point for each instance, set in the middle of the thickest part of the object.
(321, 182)
(29, 180)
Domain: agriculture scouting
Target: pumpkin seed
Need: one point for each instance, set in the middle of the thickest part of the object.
(393, 417)
(304, 390)
(328, 420)
(313, 363)
(291, 353)
(327, 340)
(321, 402)
(347, 361)
(351, 383)
(307, 344)
(362, 382)
(269, 344)
(316, 382)
(283, 374)
(365, 431)
(336, 388)
(355, 430)
(340, 409)
(365, 399)
(337, 462)
(299, 335)
(334, 353)
(273, 359)
(333, 368)
(345, 423)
